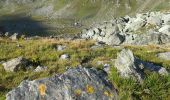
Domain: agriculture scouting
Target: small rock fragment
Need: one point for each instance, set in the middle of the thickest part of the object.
(16, 64)
(65, 57)
(40, 68)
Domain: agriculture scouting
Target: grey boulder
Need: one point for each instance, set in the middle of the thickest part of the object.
(75, 84)
(130, 66)
(135, 24)
(108, 33)
(151, 38)
(154, 20)
(165, 29)
(166, 18)
(164, 56)
(126, 65)
(16, 64)
(14, 37)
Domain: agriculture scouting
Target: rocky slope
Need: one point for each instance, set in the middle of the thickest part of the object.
(144, 29)
(112, 58)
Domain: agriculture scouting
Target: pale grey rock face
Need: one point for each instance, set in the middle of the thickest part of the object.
(125, 64)
(75, 84)
(166, 19)
(163, 71)
(16, 64)
(164, 56)
(165, 29)
(130, 66)
(123, 30)
(154, 20)
(14, 37)
(130, 38)
(145, 39)
(149, 38)
(135, 24)
(108, 32)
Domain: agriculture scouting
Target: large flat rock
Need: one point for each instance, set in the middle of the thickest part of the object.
(75, 84)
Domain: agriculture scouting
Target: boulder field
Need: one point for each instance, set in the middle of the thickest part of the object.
(146, 28)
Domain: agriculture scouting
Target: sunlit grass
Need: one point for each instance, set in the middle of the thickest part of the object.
(44, 52)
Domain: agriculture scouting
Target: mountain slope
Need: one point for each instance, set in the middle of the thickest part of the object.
(59, 16)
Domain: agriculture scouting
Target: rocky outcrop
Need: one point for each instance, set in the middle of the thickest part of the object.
(149, 38)
(130, 66)
(75, 84)
(126, 65)
(108, 32)
(165, 29)
(147, 28)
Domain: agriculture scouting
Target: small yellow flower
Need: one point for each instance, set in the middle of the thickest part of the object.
(42, 89)
(89, 89)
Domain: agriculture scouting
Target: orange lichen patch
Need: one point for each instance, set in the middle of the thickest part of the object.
(89, 89)
(77, 92)
(42, 89)
(107, 93)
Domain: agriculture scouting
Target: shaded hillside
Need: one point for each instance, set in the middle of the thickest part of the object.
(57, 15)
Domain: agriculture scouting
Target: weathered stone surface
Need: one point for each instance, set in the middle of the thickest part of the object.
(164, 56)
(135, 24)
(166, 19)
(165, 29)
(145, 39)
(130, 38)
(148, 38)
(14, 37)
(75, 84)
(125, 64)
(115, 39)
(154, 20)
(124, 30)
(108, 33)
(130, 66)
(16, 64)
